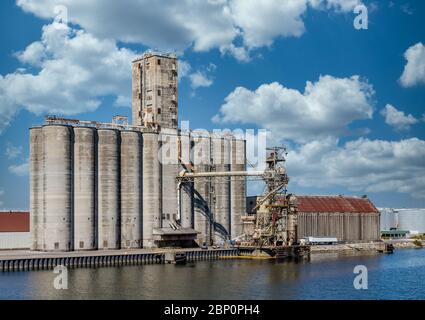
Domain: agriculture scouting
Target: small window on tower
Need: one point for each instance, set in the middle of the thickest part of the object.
(158, 62)
(159, 110)
(159, 93)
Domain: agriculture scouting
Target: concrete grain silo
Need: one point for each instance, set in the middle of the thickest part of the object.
(187, 188)
(201, 155)
(237, 188)
(151, 187)
(84, 188)
(220, 148)
(57, 188)
(131, 189)
(108, 187)
(36, 188)
(169, 172)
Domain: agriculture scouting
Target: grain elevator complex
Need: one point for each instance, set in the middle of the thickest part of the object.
(150, 184)
(113, 185)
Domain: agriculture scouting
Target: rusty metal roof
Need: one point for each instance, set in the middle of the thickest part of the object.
(335, 204)
(14, 221)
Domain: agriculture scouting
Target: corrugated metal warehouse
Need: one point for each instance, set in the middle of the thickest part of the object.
(346, 218)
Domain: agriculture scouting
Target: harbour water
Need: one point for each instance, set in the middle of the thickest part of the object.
(323, 276)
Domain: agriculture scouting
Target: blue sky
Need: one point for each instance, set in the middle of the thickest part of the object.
(358, 129)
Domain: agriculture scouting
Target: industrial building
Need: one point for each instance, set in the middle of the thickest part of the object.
(14, 230)
(345, 218)
(412, 220)
(113, 185)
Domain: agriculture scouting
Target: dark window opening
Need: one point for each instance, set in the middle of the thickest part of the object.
(158, 62)
(159, 93)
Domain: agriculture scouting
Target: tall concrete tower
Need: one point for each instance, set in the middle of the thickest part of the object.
(154, 91)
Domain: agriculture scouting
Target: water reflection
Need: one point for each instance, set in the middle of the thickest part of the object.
(326, 276)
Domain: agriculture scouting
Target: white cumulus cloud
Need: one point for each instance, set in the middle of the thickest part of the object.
(325, 108)
(20, 169)
(12, 151)
(200, 25)
(361, 165)
(200, 79)
(261, 23)
(75, 71)
(414, 70)
(397, 119)
(338, 5)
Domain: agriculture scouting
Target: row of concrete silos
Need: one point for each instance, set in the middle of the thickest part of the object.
(219, 202)
(86, 188)
(106, 189)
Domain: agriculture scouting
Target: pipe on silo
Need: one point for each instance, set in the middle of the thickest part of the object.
(84, 188)
(237, 188)
(151, 187)
(131, 189)
(108, 188)
(220, 148)
(201, 158)
(57, 188)
(36, 188)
